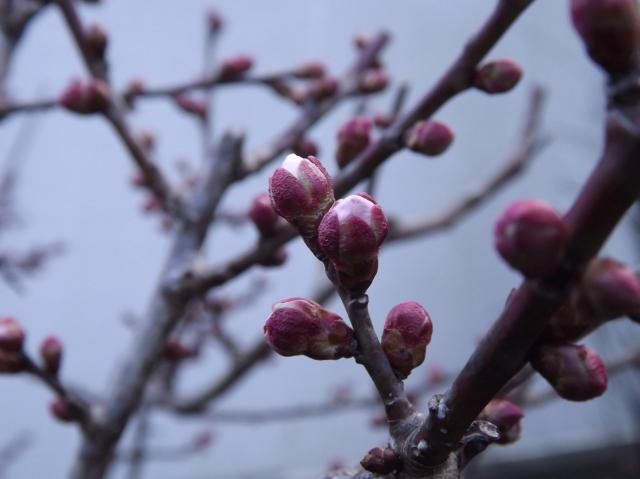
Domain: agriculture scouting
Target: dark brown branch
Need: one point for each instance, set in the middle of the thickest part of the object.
(35, 106)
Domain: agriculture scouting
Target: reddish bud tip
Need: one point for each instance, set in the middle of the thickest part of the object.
(610, 30)
(51, 354)
(407, 333)
(381, 460)
(310, 70)
(353, 137)
(88, 97)
(305, 147)
(429, 137)
(299, 326)
(96, 39)
(611, 288)
(499, 76)
(234, 67)
(381, 120)
(301, 192)
(531, 236)
(506, 416)
(11, 335)
(192, 106)
(62, 410)
(263, 215)
(576, 372)
(373, 81)
(324, 88)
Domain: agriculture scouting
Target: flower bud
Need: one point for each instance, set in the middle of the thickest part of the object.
(506, 416)
(324, 88)
(234, 67)
(407, 333)
(215, 21)
(146, 140)
(353, 138)
(176, 350)
(299, 326)
(134, 88)
(429, 137)
(51, 354)
(192, 106)
(301, 192)
(263, 215)
(11, 335)
(531, 236)
(310, 70)
(373, 81)
(383, 120)
(381, 460)
(610, 30)
(278, 258)
(62, 410)
(96, 39)
(612, 288)
(11, 362)
(576, 372)
(305, 147)
(92, 96)
(498, 76)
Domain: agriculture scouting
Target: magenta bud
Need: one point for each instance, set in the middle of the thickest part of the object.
(96, 39)
(506, 415)
(278, 258)
(11, 362)
(612, 288)
(610, 30)
(531, 236)
(382, 120)
(353, 137)
(234, 67)
(299, 326)
(192, 106)
(429, 137)
(263, 215)
(373, 81)
(576, 372)
(381, 460)
(88, 97)
(499, 76)
(305, 147)
(352, 231)
(310, 70)
(62, 410)
(51, 354)
(324, 88)
(11, 335)
(407, 333)
(301, 192)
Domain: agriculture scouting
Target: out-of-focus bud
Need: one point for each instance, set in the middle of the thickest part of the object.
(429, 137)
(92, 96)
(531, 236)
(381, 460)
(499, 76)
(299, 326)
(146, 140)
(301, 192)
(263, 215)
(276, 259)
(610, 30)
(305, 147)
(152, 204)
(382, 120)
(176, 350)
(11, 362)
(133, 89)
(324, 88)
(353, 137)
(215, 21)
(310, 70)
(373, 81)
(192, 106)
(96, 39)
(62, 410)
(506, 416)
(51, 354)
(11, 335)
(576, 372)
(612, 288)
(234, 67)
(203, 440)
(407, 333)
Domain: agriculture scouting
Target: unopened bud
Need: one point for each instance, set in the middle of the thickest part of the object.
(353, 137)
(382, 120)
(278, 258)
(51, 354)
(499, 76)
(299, 326)
(407, 333)
(429, 137)
(506, 416)
(576, 372)
(373, 81)
(381, 460)
(305, 147)
(62, 410)
(263, 215)
(152, 204)
(215, 21)
(176, 350)
(96, 39)
(192, 106)
(234, 67)
(612, 288)
(301, 192)
(610, 30)
(310, 70)
(531, 236)
(324, 88)
(134, 88)
(147, 141)
(88, 97)
(11, 335)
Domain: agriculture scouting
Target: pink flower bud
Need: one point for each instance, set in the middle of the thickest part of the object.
(299, 326)
(234, 67)
(506, 416)
(11, 335)
(324, 88)
(192, 106)
(62, 410)
(610, 30)
(310, 70)
(429, 137)
(88, 97)
(11, 362)
(499, 76)
(152, 204)
(305, 147)
(576, 372)
(301, 192)
(353, 138)
(612, 288)
(278, 258)
(96, 39)
(531, 236)
(382, 120)
(51, 354)
(373, 81)
(407, 333)
(263, 215)
(381, 460)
